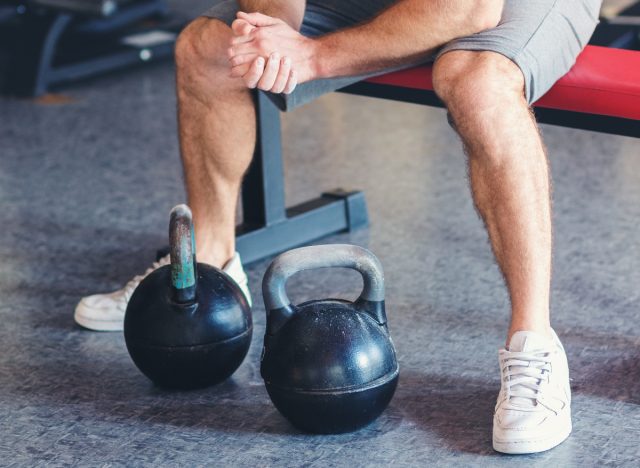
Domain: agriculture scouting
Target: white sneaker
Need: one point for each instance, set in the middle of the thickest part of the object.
(533, 413)
(105, 312)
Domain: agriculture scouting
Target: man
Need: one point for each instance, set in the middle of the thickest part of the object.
(491, 61)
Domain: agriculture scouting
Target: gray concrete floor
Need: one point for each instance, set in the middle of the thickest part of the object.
(85, 189)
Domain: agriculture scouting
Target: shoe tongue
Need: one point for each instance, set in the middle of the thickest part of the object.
(527, 341)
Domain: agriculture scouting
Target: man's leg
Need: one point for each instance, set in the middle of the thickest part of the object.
(217, 135)
(484, 93)
(486, 81)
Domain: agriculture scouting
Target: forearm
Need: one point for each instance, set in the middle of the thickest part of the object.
(407, 32)
(290, 11)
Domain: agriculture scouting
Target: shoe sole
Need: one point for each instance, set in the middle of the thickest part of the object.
(521, 447)
(98, 325)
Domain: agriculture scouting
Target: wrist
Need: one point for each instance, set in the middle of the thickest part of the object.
(320, 59)
(291, 19)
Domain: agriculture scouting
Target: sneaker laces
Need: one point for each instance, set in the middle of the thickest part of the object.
(135, 281)
(524, 373)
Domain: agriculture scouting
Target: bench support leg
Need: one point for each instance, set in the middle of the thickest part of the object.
(268, 226)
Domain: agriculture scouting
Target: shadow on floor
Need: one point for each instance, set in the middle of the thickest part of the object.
(458, 409)
(604, 364)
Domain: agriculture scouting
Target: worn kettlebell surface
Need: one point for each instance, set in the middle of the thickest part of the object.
(219, 313)
(329, 365)
(329, 345)
(187, 324)
(188, 345)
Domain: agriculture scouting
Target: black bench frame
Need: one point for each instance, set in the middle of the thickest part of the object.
(268, 226)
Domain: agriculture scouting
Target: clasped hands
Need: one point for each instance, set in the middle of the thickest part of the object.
(270, 55)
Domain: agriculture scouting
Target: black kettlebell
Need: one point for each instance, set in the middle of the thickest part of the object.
(187, 324)
(329, 365)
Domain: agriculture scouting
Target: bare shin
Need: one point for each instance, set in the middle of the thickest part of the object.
(217, 135)
(509, 174)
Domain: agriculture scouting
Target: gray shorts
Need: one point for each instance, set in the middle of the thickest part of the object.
(542, 37)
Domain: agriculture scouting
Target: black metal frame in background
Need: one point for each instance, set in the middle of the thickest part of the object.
(51, 46)
(621, 31)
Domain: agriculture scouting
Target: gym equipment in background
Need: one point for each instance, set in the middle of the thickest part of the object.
(619, 25)
(329, 365)
(187, 324)
(50, 42)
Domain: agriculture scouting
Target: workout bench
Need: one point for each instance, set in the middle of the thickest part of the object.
(600, 93)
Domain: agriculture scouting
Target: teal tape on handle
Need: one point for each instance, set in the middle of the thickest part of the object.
(183, 271)
(183, 275)
(183, 258)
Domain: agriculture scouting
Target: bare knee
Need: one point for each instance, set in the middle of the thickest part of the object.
(202, 45)
(474, 83)
(484, 94)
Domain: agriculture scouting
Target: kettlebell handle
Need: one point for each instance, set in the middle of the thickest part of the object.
(277, 303)
(183, 256)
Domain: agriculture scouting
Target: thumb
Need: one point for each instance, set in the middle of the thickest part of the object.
(241, 28)
(258, 19)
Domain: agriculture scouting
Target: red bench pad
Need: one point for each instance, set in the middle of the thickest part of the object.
(604, 81)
